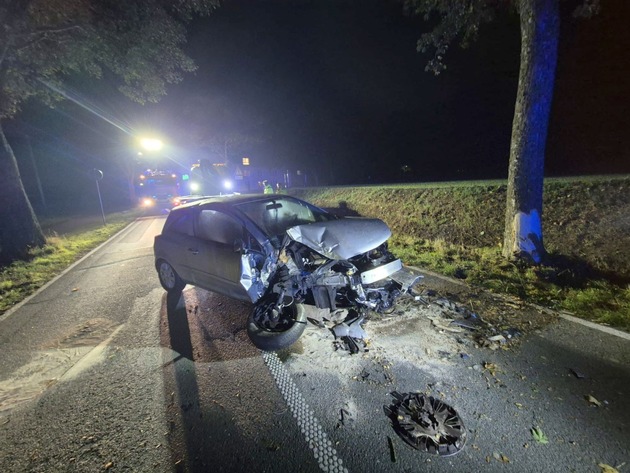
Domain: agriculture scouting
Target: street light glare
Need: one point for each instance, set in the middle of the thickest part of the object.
(151, 144)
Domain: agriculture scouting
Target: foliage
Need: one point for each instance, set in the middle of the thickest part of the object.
(455, 21)
(139, 42)
(458, 21)
(136, 44)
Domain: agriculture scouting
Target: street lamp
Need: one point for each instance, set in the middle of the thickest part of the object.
(151, 144)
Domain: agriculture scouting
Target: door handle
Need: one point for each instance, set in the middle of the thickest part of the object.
(194, 251)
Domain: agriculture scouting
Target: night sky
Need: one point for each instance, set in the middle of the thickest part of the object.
(336, 88)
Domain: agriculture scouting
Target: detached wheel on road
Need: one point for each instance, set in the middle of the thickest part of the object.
(169, 279)
(273, 329)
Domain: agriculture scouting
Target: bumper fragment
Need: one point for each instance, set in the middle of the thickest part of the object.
(406, 278)
(381, 272)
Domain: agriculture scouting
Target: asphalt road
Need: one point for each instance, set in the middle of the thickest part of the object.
(101, 371)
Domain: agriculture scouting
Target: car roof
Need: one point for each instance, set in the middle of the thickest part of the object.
(234, 199)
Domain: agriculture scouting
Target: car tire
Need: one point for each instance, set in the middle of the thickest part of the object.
(273, 340)
(169, 279)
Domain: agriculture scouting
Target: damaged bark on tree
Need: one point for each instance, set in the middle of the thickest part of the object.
(523, 238)
(540, 29)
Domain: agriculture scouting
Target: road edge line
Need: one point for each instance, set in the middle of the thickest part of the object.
(27, 299)
(595, 326)
(561, 314)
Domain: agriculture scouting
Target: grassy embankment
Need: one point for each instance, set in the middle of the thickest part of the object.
(22, 278)
(456, 229)
(452, 228)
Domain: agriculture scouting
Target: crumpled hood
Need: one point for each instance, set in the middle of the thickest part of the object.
(342, 239)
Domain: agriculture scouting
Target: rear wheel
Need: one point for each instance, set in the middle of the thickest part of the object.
(169, 279)
(273, 329)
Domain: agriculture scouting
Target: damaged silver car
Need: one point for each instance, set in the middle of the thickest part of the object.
(280, 253)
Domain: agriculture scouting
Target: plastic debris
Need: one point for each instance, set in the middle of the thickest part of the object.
(498, 338)
(577, 374)
(511, 333)
(349, 335)
(350, 329)
(465, 324)
(344, 416)
(421, 299)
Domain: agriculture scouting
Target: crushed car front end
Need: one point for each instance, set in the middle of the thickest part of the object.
(339, 263)
(310, 257)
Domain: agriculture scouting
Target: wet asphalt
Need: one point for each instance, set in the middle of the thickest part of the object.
(102, 372)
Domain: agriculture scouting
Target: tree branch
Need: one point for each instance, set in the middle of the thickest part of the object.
(44, 33)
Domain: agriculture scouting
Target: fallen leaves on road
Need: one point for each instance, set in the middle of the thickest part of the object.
(491, 368)
(539, 436)
(607, 468)
(593, 401)
(500, 457)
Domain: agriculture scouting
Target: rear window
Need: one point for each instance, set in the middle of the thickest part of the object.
(180, 221)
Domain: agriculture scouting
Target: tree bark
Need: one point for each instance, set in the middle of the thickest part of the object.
(19, 228)
(523, 238)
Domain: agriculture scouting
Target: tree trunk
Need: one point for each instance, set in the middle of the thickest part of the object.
(539, 52)
(19, 228)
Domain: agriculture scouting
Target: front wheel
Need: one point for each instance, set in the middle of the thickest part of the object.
(273, 329)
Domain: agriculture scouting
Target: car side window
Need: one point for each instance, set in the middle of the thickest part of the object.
(219, 227)
(180, 221)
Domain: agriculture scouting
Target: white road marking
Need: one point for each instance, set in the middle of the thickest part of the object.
(316, 438)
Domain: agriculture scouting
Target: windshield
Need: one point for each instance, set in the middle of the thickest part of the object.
(274, 216)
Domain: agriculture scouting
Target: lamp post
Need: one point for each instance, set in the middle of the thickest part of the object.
(97, 174)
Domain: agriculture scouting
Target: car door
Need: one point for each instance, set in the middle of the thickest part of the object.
(215, 259)
(174, 243)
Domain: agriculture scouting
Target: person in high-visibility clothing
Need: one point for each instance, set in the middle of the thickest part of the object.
(267, 189)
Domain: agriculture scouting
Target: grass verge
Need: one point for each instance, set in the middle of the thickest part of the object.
(456, 229)
(556, 286)
(22, 278)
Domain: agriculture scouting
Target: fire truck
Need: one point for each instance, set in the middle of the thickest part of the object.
(207, 178)
(158, 188)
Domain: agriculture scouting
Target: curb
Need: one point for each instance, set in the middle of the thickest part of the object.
(593, 325)
(24, 301)
(561, 314)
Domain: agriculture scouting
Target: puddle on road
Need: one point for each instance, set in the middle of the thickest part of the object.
(61, 360)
